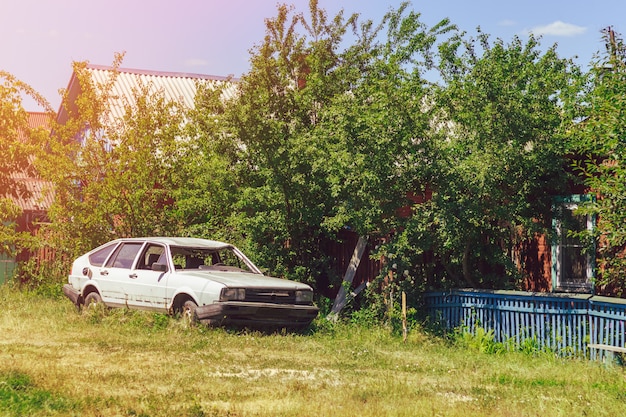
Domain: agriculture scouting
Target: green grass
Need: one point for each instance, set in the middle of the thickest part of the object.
(55, 361)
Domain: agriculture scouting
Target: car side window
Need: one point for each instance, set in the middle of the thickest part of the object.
(98, 257)
(124, 255)
(151, 254)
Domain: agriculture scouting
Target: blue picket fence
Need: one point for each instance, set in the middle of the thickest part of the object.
(563, 323)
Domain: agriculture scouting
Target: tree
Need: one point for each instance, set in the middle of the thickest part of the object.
(499, 159)
(205, 202)
(375, 138)
(332, 135)
(17, 139)
(18, 145)
(599, 137)
(281, 204)
(114, 176)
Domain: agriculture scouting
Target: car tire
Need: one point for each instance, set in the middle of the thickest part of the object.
(188, 311)
(92, 299)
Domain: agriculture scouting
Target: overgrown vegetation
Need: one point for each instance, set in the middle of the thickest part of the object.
(55, 361)
(443, 147)
(599, 138)
(17, 147)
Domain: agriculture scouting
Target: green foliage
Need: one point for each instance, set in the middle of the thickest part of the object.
(498, 156)
(9, 212)
(114, 176)
(18, 145)
(44, 276)
(530, 346)
(328, 118)
(599, 139)
(480, 341)
(17, 139)
(204, 203)
(281, 203)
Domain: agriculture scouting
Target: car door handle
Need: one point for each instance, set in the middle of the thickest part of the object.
(104, 272)
(133, 276)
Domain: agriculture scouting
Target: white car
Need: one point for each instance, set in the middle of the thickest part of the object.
(209, 281)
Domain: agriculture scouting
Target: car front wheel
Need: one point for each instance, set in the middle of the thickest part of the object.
(188, 311)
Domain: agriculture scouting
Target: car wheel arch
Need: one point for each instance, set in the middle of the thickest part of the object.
(88, 289)
(179, 300)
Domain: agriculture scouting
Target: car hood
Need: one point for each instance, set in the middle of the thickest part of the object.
(245, 279)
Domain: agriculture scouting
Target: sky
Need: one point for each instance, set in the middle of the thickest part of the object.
(41, 38)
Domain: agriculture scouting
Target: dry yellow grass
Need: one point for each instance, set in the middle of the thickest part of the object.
(122, 363)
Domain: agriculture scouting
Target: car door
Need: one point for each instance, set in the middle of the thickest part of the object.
(115, 273)
(145, 287)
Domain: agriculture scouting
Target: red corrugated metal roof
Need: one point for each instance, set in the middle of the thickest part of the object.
(35, 120)
(40, 197)
(41, 192)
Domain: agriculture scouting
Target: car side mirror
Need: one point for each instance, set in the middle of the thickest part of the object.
(159, 267)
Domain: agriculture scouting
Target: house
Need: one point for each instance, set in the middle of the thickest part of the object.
(181, 87)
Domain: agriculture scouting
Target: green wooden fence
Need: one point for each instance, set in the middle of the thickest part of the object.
(7, 268)
(564, 323)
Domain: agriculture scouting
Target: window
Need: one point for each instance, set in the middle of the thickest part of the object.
(223, 259)
(572, 260)
(124, 256)
(98, 257)
(151, 254)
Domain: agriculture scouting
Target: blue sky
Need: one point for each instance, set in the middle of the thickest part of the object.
(41, 38)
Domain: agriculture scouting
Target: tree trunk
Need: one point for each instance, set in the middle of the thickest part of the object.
(467, 273)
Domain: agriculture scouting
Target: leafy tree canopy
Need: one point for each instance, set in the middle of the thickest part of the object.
(498, 158)
(18, 143)
(599, 138)
(114, 176)
(332, 128)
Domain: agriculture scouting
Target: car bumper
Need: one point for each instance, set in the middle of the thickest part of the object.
(71, 293)
(256, 314)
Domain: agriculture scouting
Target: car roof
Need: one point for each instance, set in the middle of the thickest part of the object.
(181, 241)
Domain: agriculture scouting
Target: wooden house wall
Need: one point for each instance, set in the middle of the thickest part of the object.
(535, 260)
(340, 251)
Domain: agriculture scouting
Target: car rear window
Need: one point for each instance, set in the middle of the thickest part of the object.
(124, 255)
(98, 257)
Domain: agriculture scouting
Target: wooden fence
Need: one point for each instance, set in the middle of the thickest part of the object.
(563, 323)
(7, 266)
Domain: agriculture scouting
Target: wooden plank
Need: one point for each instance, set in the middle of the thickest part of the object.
(341, 299)
(610, 348)
(404, 323)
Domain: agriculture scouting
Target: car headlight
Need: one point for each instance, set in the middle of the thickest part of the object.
(233, 294)
(305, 296)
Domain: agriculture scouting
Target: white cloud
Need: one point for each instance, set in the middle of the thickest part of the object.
(558, 28)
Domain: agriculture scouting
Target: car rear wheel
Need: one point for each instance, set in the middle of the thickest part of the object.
(92, 299)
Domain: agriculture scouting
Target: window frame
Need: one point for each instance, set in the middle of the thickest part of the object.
(571, 202)
(121, 263)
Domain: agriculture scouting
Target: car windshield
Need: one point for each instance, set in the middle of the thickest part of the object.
(222, 259)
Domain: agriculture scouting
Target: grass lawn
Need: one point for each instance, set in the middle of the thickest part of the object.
(55, 361)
